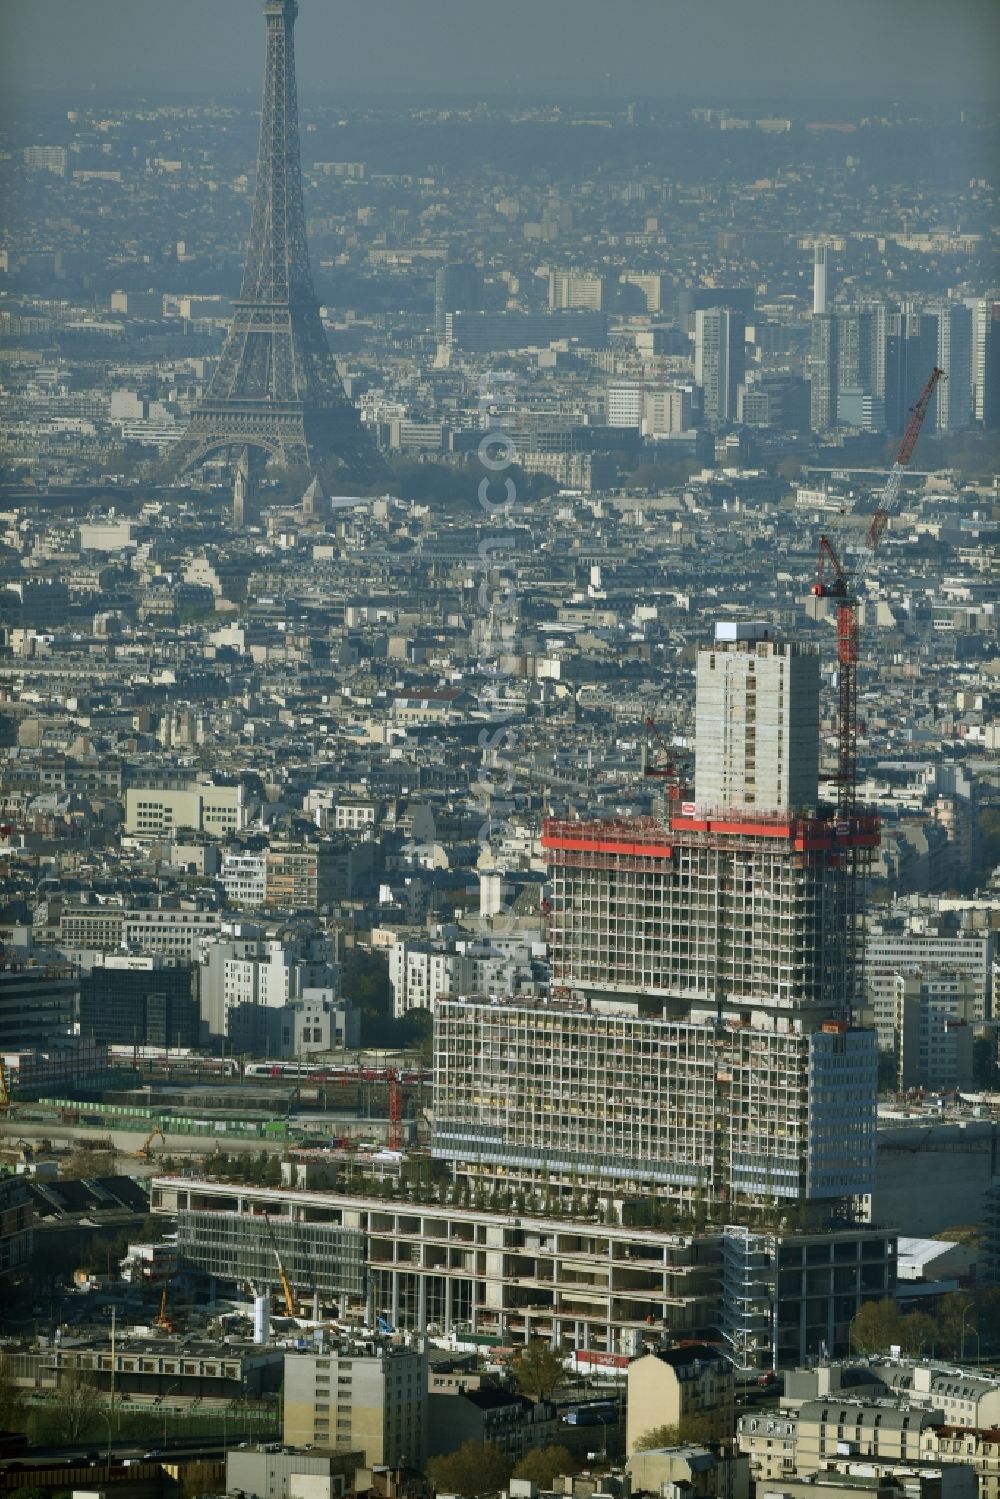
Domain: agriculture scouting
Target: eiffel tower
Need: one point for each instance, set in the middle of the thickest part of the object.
(276, 387)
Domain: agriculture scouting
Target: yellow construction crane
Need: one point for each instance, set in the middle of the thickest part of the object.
(291, 1306)
(5, 1101)
(162, 1318)
(144, 1153)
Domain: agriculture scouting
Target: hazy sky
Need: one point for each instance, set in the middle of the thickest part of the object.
(829, 49)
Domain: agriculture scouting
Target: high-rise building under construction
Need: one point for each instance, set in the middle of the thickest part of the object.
(699, 1043)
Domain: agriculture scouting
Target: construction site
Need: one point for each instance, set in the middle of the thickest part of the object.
(710, 914)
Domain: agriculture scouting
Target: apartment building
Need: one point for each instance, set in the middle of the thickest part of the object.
(353, 814)
(876, 1413)
(934, 1017)
(957, 1396)
(506, 1420)
(787, 1443)
(572, 288)
(978, 1449)
(422, 972)
(420, 975)
(365, 1397)
(966, 954)
(244, 971)
(844, 1479)
(674, 1385)
(244, 878)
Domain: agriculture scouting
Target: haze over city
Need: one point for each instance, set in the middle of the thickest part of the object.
(915, 50)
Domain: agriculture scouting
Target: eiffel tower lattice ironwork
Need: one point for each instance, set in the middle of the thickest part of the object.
(276, 387)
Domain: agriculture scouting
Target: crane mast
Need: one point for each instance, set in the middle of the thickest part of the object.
(395, 1140)
(857, 833)
(833, 582)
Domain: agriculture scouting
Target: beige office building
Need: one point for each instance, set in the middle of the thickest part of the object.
(153, 811)
(365, 1398)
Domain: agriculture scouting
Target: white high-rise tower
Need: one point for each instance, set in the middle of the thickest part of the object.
(820, 285)
(757, 721)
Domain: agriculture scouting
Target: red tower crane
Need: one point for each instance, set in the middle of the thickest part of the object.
(662, 765)
(833, 582)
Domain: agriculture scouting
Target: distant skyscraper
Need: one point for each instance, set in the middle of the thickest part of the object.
(948, 328)
(575, 289)
(981, 309)
(719, 362)
(820, 286)
(876, 315)
(276, 387)
(991, 376)
(910, 354)
(857, 332)
(457, 288)
(861, 366)
(823, 372)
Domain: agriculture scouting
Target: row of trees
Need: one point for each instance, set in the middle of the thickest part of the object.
(957, 1322)
(698, 1430)
(477, 1469)
(70, 1417)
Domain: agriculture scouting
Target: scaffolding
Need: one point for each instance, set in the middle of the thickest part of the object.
(715, 908)
(567, 1099)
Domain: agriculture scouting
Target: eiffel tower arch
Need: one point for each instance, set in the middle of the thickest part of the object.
(276, 387)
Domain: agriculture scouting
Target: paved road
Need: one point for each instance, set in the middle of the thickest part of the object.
(75, 1454)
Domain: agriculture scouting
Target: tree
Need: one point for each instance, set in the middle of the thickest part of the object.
(13, 1409)
(918, 1333)
(658, 1436)
(366, 983)
(416, 1032)
(77, 1407)
(474, 1470)
(957, 1321)
(695, 1429)
(543, 1465)
(539, 1371)
(876, 1327)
